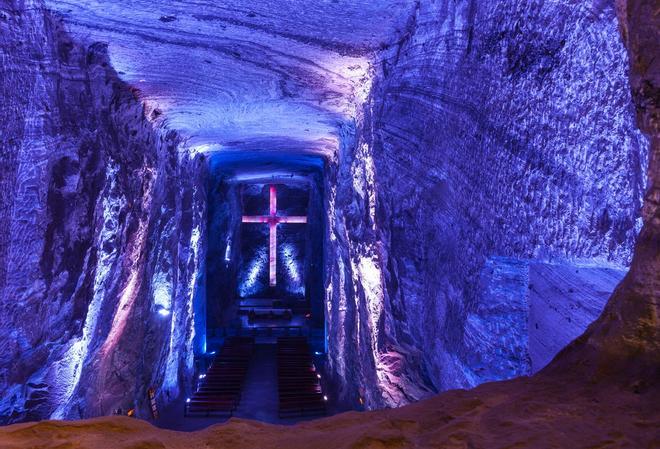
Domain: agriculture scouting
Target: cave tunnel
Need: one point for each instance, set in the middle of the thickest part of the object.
(344, 223)
(240, 280)
(264, 275)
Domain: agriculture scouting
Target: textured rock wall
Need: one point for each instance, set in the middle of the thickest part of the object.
(624, 343)
(497, 335)
(369, 365)
(497, 129)
(224, 212)
(102, 221)
(563, 301)
(526, 311)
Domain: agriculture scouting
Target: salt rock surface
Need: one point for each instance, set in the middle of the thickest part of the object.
(602, 390)
(455, 133)
(237, 75)
(101, 217)
(496, 129)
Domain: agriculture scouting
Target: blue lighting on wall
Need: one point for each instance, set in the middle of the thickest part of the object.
(250, 284)
(228, 251)
(291, 260)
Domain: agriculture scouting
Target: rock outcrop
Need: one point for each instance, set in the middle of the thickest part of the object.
(102, 220)
(519, 413)
(495, 130)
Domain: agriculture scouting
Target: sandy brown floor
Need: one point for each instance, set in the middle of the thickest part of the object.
(528, 412)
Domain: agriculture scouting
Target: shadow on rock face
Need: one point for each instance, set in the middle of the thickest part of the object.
(99, 200)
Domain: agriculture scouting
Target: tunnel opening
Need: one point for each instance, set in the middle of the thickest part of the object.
(264, 273)
(258, 258)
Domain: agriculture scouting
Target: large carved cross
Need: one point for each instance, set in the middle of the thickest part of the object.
(273, 219)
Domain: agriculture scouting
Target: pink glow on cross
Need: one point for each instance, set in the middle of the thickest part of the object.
(273, 200)
(273, 219)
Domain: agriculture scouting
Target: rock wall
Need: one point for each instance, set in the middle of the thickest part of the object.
(529, 310)
(624, 343)
(583, 292)
(224, 212)
(102, 223)
(368, 365)
(496, 129)
(497, 334)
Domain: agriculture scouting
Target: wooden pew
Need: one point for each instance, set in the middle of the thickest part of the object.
(220, 390)
(299, 390)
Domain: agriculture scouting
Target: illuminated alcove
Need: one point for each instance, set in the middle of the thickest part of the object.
(261, 281)
(238, 266)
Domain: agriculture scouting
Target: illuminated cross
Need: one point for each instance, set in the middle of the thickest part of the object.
(273, 219)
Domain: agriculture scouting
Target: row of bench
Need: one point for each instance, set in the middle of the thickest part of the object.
(219, 391)
(269, 314)
(298, 386)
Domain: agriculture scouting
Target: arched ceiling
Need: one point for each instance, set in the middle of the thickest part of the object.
(256, 167)
(245, 75)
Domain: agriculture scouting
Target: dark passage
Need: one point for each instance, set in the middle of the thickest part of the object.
(259, 400)
(264, 310)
